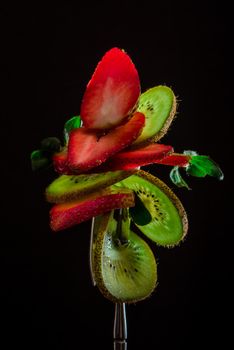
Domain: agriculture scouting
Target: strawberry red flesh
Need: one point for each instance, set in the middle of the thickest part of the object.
(134, 158)
(66, 215)
(112, 92)
(87, 150)
(60, 163)
(175, 159)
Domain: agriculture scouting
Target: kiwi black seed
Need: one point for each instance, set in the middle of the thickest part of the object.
(169, 222)
(70, 187)
(158, 104)
(123, 272)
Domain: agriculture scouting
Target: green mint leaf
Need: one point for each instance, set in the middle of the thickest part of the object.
(190, 153)
(201, 166)
(72, 123)
(51, 145)
(177, 179)
(39, 160)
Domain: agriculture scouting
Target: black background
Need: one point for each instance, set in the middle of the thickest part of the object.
(48, 56)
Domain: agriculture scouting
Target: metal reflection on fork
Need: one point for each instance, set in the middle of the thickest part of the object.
(120, 327)
(91, 253)
(120, 320)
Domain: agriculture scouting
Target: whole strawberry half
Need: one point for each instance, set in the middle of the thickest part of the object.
(87, 149)
(112, 92)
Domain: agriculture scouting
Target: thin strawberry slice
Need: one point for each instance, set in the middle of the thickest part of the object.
(86, 150)
(112, 92)
(60, 162)
(134, 158)
(175, 159)
(68, 214)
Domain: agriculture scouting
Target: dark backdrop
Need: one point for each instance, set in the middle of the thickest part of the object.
(48, 56)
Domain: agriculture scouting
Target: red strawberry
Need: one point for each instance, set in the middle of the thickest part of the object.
(134, 158)
(86, 150)
(68, 214)
(176, 159)
(60, 162)
(112, 91)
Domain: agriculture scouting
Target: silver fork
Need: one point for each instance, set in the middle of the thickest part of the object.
(120, 319)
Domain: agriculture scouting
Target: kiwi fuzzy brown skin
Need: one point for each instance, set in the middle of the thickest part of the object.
(97, 261)
(114, 177)
(175, 200)
(98, 256)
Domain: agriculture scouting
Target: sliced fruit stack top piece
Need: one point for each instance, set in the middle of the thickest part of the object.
(112, 92)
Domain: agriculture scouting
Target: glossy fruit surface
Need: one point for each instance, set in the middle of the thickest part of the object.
(112, 92)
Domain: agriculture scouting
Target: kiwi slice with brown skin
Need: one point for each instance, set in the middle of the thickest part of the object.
(158, 104)
(70, 187)
(124, 272)
(169, 222)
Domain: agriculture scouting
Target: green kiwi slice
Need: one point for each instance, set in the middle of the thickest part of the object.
(158, 104)
(124, 272)
(169, 220)
(139, 213)
(70, 187)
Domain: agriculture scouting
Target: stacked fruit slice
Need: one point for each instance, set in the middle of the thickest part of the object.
(99, 167)
(117, 119)
(123, 272)
(123, 263)
(116, 133)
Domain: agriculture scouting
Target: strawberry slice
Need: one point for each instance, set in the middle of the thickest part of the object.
(134, 158)
(68, 214)
(86, 150)
(60, 162)
(112, 92)
(176, 159)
